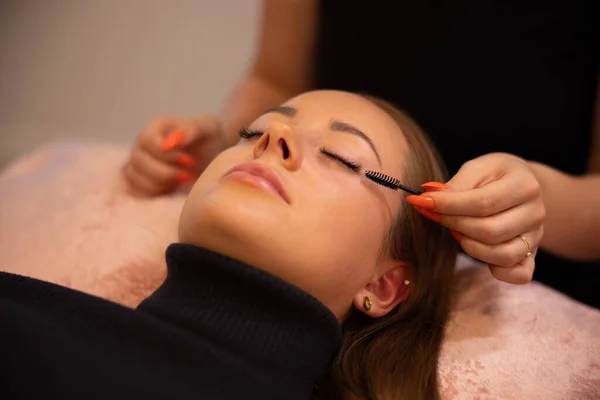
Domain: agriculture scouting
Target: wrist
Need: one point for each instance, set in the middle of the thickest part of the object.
(571, 215)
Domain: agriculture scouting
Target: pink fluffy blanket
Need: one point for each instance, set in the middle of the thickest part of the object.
(65, 218)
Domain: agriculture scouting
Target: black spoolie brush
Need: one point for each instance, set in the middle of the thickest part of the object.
(389, 182)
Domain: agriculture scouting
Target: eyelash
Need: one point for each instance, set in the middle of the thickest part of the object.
(246, 133)
(353, 165)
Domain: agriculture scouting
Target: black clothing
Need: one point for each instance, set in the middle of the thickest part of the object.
(479, 76)
(216, 329)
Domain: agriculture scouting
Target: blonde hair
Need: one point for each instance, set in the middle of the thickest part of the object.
(396, 356)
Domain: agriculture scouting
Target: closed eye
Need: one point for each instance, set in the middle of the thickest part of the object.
(353, 165)
(246, 133)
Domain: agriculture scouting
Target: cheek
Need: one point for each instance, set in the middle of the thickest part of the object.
(350, 218)
(223, 163)
(341, 227)
(205, 184)
(218, 167)
(354, 203)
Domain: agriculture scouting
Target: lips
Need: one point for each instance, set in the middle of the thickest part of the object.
(259, 175)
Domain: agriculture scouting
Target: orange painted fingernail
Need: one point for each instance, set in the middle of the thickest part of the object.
(172, 141)
(435, 187)
(421, 201)
(456, 235)
(183, 177)
(186, 160)
(429, 214)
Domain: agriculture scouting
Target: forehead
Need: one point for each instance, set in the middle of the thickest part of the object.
(321, 107)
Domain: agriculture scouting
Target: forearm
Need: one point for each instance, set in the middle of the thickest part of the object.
(283, 66)
(253, 96)
(572, 226)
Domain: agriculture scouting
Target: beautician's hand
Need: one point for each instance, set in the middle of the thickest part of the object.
(171, 152)
(495, 209)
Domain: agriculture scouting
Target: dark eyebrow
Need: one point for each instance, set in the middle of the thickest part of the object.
(336, 126)
(285, 110)
(339, 126)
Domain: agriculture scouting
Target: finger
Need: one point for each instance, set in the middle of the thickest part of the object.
(172, 141)
(157, 170)
(150, 142)
(500, 227)
(165, 136)
(507, 254)
(175, 157)
(142, 185)
(138, 184)
(482, 170)
(188, 133)
(468, 176)
(196, 128)
(151, 137)
(520, 274)
(514, 188)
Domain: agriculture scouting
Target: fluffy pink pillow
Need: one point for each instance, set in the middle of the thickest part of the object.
(66, 218)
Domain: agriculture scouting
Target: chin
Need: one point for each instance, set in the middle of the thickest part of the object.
(235, 222)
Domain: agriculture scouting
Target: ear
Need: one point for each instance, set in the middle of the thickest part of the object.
(386, 291)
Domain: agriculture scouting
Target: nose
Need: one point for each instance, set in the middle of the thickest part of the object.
(279, 141)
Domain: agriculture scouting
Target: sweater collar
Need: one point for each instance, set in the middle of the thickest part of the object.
(262, 319)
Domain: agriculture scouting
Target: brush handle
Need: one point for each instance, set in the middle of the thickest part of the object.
(409, 190)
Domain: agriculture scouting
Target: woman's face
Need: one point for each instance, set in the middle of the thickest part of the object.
(296, 205)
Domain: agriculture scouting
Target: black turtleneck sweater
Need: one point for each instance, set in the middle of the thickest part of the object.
(216, 329)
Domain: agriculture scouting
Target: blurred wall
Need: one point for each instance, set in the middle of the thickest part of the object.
(100, 69)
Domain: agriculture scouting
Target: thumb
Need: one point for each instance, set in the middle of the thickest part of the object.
(471, 175)
(200, 128)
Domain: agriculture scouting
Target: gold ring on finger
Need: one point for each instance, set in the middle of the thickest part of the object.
(527, 244)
